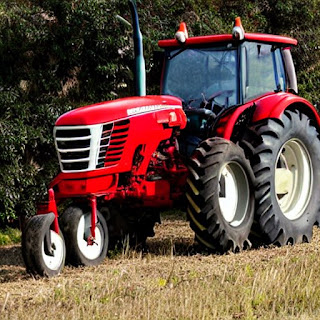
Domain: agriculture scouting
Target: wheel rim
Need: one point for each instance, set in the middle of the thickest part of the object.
(234, 193)
(293, 179)
(57, 246)
(90, 252)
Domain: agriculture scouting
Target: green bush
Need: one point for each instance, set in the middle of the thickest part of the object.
(54, 55)
(9, 236)
(58, 54)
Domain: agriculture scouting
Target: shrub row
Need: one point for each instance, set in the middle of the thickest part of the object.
(58, 54)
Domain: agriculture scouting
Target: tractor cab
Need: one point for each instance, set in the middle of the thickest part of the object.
(212, 75)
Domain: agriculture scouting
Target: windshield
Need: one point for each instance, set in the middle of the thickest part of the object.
(202, 73)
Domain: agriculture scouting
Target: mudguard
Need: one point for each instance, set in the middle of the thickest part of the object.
(268, 106)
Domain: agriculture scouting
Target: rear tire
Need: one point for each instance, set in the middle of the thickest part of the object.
(76, 228)
(220, 201)
(285, 157)
(38, 257)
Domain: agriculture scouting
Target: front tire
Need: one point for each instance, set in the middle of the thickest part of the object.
(76, 228)
(285, 157)
(220, 201)
(43, 250)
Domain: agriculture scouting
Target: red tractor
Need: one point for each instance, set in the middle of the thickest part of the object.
(228, 137)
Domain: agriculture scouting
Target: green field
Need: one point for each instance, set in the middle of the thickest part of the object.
(172, 281)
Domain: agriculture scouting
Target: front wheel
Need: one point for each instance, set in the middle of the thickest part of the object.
(76, 228)
(220, 201)
(43, 250)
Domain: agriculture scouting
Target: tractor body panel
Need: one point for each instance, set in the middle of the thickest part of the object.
(274, 105)
(117, 109)
(86, 142)
(97, 144)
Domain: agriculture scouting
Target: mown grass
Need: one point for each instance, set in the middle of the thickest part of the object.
(170, 283)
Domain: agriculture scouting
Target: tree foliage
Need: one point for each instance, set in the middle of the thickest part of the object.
(58, 54)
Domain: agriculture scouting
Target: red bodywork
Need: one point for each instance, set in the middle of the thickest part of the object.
(150, 179)
(269, 106)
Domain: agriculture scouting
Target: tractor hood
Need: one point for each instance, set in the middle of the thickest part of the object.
(117, 109)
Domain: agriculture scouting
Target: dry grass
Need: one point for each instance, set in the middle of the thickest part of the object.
(170, 282)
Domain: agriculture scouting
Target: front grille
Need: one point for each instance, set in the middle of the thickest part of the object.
(117, 142)
(104, 144)
(85, 148)
(73, 146)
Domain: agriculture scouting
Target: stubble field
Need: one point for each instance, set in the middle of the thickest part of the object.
(174, 280)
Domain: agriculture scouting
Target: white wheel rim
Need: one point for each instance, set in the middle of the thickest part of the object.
(234, 199)
(90, 252)
(57, 246)
(293, 179)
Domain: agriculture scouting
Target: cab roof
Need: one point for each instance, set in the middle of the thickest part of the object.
(213, 39)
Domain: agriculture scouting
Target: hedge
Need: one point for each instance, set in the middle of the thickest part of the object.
(56, 55)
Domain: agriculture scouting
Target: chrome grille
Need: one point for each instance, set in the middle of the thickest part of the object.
(76, 146)
(85, 148)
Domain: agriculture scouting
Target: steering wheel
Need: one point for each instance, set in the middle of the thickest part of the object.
(226, 93)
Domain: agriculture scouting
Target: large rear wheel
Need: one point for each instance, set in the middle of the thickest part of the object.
(220, 201)
(285, 157)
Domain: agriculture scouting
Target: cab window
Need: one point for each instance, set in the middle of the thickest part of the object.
(262, 70)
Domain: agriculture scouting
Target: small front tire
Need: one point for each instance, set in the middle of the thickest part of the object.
(43, 250)
(76, 228)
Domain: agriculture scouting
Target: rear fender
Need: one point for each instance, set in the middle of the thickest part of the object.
(227, 124)
(271, 106)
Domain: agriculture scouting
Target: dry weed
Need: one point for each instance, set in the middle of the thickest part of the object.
(171, 281)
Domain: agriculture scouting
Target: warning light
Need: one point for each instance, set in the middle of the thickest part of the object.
(182, 34)
(238, 31)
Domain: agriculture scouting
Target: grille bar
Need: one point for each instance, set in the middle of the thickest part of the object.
(74, 138)
(73, 150)
(75, 160)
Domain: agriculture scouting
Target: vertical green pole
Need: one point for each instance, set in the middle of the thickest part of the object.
(140, 67)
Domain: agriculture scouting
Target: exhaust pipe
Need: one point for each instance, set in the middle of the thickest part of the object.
(140, 66)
